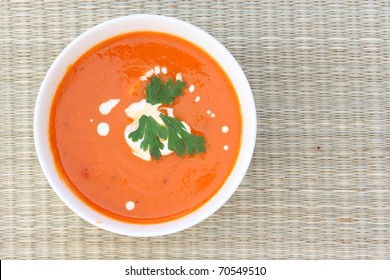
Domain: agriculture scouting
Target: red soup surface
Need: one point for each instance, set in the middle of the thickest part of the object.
(89, 145)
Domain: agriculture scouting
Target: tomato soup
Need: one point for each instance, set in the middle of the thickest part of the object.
(108, 90)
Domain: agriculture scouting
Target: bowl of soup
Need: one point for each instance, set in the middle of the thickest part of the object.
(145, 125)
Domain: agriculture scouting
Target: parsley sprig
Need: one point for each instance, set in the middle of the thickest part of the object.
(152, 133)
(180, 140)
(159, 93)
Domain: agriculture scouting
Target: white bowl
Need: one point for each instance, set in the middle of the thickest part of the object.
(110, 29)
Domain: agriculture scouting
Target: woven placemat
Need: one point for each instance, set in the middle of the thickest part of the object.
(318, 186)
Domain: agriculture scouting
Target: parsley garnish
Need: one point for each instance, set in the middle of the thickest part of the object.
(152, 133)
(180, 140)
(158, 93)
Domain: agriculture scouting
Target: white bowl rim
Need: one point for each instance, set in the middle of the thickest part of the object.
(127, 24)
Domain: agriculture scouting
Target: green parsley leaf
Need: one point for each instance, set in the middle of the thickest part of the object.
(151, 132)
(180, 140)
(157, 92)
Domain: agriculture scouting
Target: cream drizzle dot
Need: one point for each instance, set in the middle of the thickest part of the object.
(191, 88)
(213, 115)
(197, 99)
(130, 205)
(226, 147)
(179, 77)
(106, 107)
(208, 112)
(157, 70)
(225, 129)
(90, 120)
(164, 70)
(103, 129)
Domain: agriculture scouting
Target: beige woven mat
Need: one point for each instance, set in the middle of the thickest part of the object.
(318, 186)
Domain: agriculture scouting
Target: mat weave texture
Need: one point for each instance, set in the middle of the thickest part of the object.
(318, 186)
